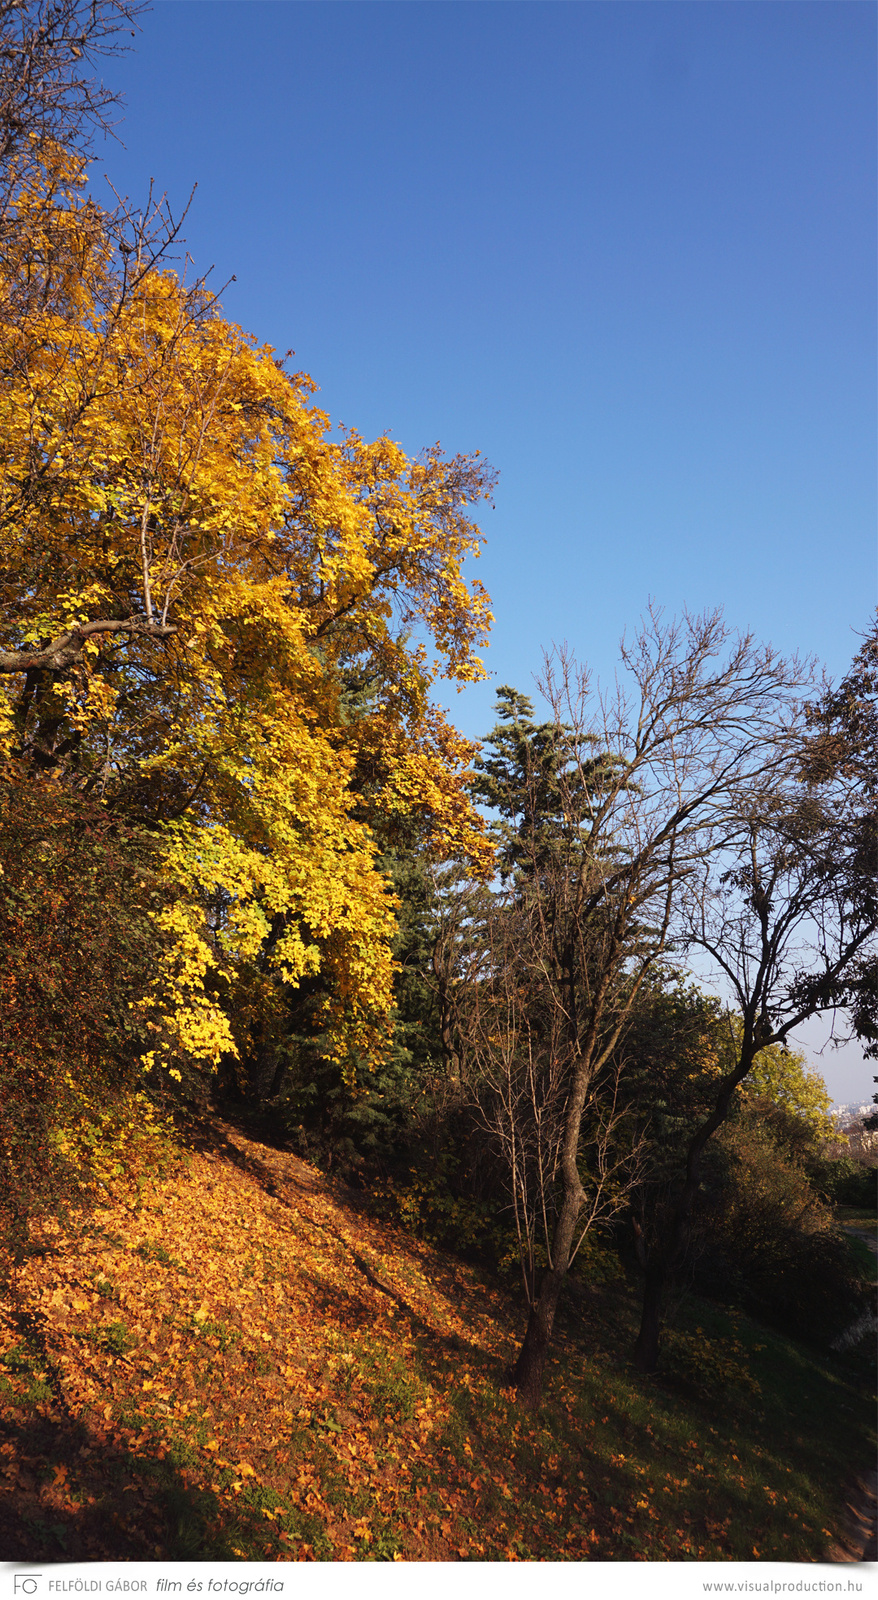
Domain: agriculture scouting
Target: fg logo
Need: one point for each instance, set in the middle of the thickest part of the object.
(26, 1584)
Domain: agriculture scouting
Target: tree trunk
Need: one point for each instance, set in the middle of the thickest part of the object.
(527, 1373)
(646, 1350)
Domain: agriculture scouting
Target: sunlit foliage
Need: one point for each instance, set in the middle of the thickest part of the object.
(198, 577)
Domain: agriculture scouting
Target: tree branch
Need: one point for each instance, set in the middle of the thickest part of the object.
(66, 651)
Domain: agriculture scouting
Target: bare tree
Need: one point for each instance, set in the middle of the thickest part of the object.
(646, 793)
(787, 913)
(48, 54)
(520, 1065)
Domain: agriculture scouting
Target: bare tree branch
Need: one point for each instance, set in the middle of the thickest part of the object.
(49, 50)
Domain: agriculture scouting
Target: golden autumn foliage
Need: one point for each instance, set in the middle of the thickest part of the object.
(219, 617)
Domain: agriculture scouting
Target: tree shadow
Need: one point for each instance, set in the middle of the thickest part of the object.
(78, 1496)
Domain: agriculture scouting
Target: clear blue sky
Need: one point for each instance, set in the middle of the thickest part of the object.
(625, 249)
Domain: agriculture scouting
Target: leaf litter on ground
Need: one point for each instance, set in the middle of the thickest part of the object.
(232, 1361)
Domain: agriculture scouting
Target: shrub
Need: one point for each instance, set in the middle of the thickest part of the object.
(848, 1183)
(771, 1243)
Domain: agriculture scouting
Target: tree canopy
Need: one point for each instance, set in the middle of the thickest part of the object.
(197, 577)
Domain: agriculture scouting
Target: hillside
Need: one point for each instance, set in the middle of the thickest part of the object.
(229, 1359)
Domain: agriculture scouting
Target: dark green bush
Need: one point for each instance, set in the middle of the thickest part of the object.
(848, 1183)
(770, 1242)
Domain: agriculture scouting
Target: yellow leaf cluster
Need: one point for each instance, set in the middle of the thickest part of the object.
(248, 587)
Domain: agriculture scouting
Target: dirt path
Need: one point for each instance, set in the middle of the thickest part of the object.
(868, 1235)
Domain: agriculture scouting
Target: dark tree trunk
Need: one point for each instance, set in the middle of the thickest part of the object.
(278, 1076)
(527, 1374)
(646, 1350)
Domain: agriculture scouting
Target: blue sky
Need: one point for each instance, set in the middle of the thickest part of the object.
(626, 250)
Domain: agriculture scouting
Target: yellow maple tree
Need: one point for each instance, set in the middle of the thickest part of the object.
(200, 580)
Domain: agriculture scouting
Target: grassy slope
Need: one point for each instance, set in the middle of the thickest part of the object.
(227, 1361)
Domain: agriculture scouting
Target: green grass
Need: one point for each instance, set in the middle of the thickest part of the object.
(740, 1450)
(864, 1218)
(865, 1259)
(383, 1376)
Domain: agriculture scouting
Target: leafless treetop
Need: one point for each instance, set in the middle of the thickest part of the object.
(49, 86)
